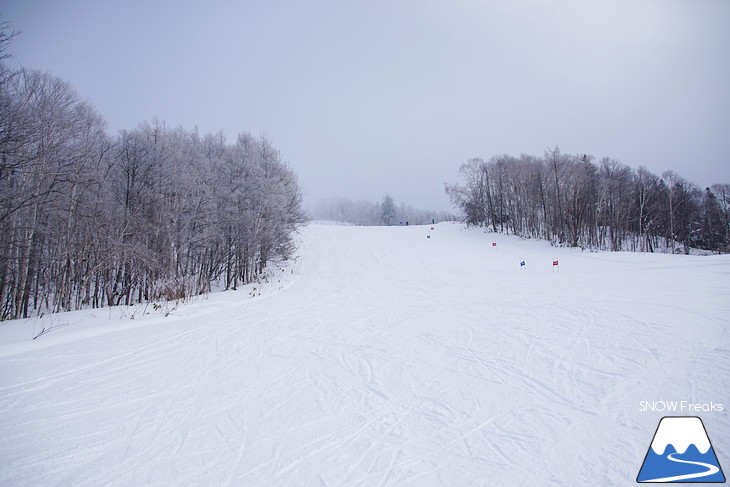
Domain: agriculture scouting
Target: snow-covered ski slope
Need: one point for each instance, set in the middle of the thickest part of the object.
(389, 359)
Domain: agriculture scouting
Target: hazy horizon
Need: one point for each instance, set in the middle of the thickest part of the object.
(370, 98)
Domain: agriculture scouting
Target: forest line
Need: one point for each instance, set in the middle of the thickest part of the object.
(89, 219)
(572, 200)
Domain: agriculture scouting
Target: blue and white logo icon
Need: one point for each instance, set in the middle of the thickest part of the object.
(681, 452)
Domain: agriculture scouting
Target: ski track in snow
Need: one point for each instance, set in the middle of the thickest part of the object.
(392, 360)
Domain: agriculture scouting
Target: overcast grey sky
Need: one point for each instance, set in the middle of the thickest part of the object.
(369, 97)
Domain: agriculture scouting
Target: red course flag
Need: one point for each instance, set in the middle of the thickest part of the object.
(555, 262)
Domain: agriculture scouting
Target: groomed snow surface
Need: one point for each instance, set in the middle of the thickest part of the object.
(380, 357)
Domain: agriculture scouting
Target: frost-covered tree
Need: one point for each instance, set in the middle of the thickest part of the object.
(366, 213)
(388, 211)
(713, 231)
(570, 200)
(722, 195)
(89, 219)
(50, 150)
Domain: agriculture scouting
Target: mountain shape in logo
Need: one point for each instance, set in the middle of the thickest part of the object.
(680, 452)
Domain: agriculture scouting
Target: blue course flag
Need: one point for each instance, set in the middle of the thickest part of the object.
(522, 263)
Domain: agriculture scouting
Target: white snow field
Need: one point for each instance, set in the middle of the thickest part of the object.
(383, 358)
